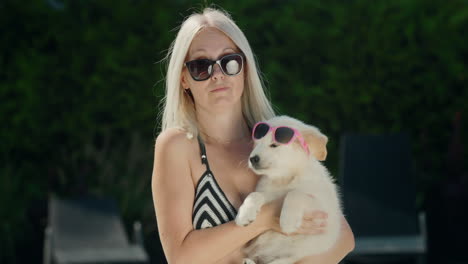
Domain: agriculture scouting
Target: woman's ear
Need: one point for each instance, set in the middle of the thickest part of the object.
(316, 141)
(183, 80)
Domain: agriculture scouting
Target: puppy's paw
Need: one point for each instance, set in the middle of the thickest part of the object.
(249, 209)
(245, 216)
(291, 214)
(247, 261)
(290, 223)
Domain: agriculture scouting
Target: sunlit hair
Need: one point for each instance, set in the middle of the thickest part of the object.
(179, 110)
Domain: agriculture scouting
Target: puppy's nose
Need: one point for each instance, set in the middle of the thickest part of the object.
(255, 159)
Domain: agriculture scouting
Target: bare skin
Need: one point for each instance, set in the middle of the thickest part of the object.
(177, 169)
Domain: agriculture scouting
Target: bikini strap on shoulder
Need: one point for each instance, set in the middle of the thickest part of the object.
(204, 159)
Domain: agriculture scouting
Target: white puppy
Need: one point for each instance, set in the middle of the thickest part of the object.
(294, 171)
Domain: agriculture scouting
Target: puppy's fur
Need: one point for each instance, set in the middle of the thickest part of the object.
(287, 171)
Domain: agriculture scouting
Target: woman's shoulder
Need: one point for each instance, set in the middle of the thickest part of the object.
(173, 139)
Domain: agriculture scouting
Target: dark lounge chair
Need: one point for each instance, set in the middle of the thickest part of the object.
(89, 230)
(379, 199)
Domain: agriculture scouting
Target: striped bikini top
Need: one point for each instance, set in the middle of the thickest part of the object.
(211, 206)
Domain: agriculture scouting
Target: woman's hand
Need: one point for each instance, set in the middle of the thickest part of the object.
(313, 222)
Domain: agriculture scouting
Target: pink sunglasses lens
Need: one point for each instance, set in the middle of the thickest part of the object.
(260, 131)
(284, 135)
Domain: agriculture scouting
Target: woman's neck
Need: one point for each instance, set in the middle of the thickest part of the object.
(223, 128)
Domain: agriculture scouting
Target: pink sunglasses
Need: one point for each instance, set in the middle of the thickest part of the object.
(283, 135)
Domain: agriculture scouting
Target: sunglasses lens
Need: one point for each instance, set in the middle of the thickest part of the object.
(200, 69)
(284, 134)
(260, 131)
(232, 64)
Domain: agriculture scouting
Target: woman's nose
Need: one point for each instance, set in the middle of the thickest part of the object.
(217, 72)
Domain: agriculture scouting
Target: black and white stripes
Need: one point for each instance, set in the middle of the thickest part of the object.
(211, 206)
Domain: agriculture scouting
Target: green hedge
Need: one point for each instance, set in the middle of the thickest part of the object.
(80, 88)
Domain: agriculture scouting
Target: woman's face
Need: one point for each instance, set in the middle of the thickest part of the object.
(220, 91)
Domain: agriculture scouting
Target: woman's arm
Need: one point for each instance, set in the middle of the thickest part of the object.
(343, 246)
(173, 196)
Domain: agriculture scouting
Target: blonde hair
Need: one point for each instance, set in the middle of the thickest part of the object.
(179, 109)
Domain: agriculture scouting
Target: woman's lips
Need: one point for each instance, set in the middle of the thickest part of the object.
(220, 89)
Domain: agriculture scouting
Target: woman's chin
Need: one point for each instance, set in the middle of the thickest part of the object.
(224, 101)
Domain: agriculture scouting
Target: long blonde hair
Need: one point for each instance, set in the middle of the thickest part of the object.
(179, 109)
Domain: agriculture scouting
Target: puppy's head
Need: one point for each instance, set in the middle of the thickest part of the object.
(279, 160)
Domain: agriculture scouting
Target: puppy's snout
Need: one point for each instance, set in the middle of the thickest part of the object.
(255, 160)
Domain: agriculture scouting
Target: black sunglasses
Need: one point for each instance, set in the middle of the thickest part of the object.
(202, 69)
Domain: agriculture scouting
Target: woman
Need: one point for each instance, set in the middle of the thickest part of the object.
(213, 97)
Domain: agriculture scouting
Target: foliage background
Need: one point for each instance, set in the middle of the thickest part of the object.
(81, 81)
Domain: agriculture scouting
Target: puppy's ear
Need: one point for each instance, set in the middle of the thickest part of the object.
(317, 142)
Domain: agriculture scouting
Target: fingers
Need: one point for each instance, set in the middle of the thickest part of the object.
(309, 228)
(315, 231)
(308, 216)
(306, 231)
(313, 223)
